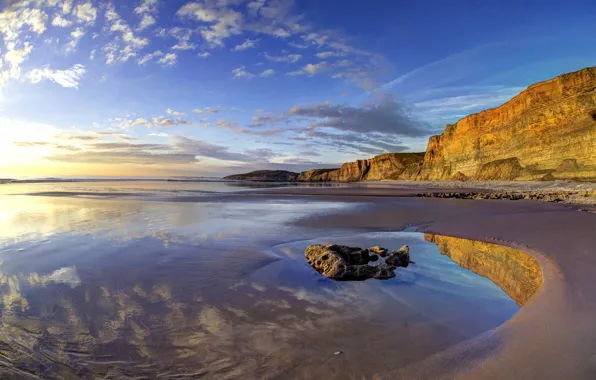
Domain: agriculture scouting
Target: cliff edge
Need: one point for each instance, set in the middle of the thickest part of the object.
(546, 132)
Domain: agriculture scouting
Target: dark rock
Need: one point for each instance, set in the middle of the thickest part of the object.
(384, 272)
(459, 176)
(265, 176)
(399, 258)
(327, 262)
(340, 262)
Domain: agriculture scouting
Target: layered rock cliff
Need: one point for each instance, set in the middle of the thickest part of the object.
(546, 132)
(383, 167)
(516, 272)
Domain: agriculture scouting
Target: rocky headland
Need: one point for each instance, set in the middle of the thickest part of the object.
(547, 132)
(265, 176)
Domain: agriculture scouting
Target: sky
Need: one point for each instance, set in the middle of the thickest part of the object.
(216, 87)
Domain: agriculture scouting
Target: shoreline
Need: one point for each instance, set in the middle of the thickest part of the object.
(549, 338)
(546, 339)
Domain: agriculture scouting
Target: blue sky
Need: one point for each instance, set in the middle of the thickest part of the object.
(214, 87)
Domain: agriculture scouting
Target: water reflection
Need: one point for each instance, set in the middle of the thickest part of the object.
(123, 289)
(516, 272)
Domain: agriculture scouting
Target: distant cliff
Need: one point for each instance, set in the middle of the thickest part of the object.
(546, 132)
(385, 166)
(266, 176)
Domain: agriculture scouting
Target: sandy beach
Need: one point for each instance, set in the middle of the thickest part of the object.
(482, 337)
(550, 337)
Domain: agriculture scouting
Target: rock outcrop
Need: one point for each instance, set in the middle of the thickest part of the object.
(384, 167)
(546, 132)
(340, 262)
(514, 271)
(562, 196)
(265, 176)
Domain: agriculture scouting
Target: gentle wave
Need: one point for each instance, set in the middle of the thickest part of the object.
(108, 179)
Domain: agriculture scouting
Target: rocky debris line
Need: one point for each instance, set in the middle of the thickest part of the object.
(340, 262)
(557, 197)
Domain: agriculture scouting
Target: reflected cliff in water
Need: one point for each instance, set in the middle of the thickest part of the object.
(515, 271)
(126, 288)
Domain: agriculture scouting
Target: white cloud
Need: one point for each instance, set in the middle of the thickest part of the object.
(66, 78)
(13, 22)
(168, 59)
(211, 111)
(140, 121)
(293, 58)
(66, 6)
(159, 134)
(86, 13)
(274, 18)
(205, 54)
(458, 103)
(268, 73)
(61, 22)
(224, 22)
(184, 45)
(15, 57)
(147, 6)
(175, 113)
(146, 22)
(149, 57)
(254, 6)
(147, 9)
(329, 54)
(247, 44)
(316, 38)
(128, 45)
(242, 73)
(311, 69)
(162, 121)
(76, 36)
(207, 110)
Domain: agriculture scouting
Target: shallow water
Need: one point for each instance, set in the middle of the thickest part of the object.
(129, 288)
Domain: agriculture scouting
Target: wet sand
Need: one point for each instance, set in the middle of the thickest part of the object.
(553, 335)
(550, 337)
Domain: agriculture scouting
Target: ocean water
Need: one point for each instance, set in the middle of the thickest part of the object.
(136, 286)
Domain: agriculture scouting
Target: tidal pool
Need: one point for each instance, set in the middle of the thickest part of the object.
(133, 289)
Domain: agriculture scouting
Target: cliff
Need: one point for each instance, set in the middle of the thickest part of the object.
(265, 176)
(516, 272)
(546, 132)
(385, 166)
